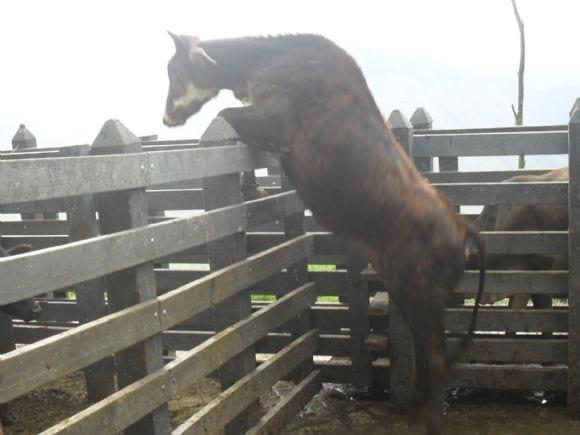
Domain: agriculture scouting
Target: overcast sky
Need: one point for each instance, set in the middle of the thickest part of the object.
(67, 66)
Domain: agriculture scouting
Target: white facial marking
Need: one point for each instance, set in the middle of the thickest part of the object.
(193, 93)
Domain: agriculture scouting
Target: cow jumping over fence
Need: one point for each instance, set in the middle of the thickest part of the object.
(310, 104)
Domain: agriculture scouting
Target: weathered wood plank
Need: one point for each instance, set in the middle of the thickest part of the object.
(131, 403)
(477, 176)
(278, 417)
(123, 210)
(573, 387)
(359, 325)
(551, 193)
(502, 319)
(508, 282)
(509, 377)
(90, 295)
(72, 176)
(514, 350)
(220, 191)
(227, 405)
(491, 144)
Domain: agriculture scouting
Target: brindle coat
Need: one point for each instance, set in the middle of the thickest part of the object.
(526, 218)
(311, 105)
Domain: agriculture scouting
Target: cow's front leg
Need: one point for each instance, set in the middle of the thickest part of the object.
(269, 124)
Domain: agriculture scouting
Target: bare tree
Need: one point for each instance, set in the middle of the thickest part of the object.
(519, 114)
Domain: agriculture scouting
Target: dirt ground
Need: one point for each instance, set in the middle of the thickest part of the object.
(336, 410)
(46, 406)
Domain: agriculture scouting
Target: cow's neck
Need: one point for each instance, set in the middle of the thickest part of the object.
(238, 58)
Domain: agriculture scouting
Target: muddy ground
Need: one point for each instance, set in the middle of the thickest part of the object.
(336, 410)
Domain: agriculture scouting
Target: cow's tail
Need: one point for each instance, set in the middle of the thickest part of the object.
(473, 234)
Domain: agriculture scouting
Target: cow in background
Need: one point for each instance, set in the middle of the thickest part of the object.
(525, 218)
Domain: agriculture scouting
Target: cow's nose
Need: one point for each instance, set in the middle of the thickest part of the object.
(169, 121)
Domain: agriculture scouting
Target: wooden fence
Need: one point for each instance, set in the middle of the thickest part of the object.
(360, 341)
(126, 308)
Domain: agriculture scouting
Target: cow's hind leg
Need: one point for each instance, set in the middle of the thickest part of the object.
(431, 366)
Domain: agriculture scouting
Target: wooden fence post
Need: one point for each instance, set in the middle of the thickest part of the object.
(7, 342)
(421, 120)
(120, 211)
(297, 275)
(24, 139)
(90, 295)
(358, 318)
(221, 191)
(574, 259)
(401, 350)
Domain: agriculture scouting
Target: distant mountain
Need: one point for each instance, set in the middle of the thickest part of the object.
(457, 98)
(460, 99)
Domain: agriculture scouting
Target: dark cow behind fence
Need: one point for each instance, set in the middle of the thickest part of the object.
(310, 104)
(526, 218)
(27, 309)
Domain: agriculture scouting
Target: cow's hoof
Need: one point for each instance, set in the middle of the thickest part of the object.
(253, 192)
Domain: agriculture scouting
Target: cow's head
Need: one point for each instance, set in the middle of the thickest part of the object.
(27, 309)
(191, 80)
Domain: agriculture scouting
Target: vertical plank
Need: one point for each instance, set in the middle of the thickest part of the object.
(359, 323)
(90, 295)
(297, 275)
(218, 192)
(574, 276)
(24, 139)
(120, 211)
(421, 120)
(7, 342)
(401, 350)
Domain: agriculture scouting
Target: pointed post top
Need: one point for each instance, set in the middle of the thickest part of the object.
(575, 118)
(421, 120)
(23, 139)
(219, 133)
(114, 133)
(575, 107)
(398, 121)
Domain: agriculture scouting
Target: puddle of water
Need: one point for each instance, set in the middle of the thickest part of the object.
(341, 409)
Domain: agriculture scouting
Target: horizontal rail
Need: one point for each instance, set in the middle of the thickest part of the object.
(507, 282)
(503, 319)
(128, 405)
(510, 377)
(477, 176)
(27, 368)
(491, 144)
(550, 193)
(512, 129)
(38, 179)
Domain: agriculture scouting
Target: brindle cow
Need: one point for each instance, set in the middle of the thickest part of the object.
(526, 218)
(311, 105)
(27, 309)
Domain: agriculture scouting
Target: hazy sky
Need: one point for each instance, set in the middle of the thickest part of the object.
(67, 66)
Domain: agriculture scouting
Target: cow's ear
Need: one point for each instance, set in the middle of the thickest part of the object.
(180, 43)
(200, 57)
(19, 249)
